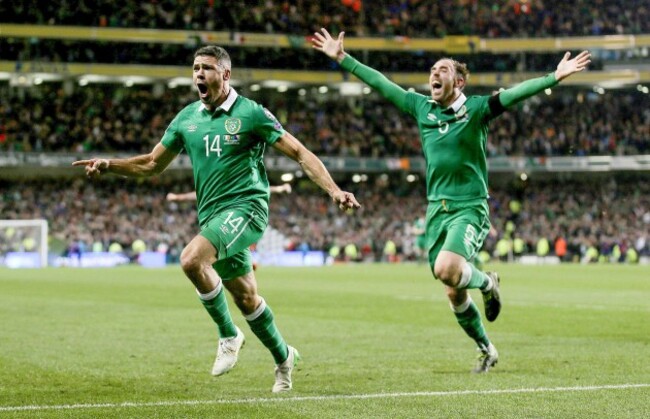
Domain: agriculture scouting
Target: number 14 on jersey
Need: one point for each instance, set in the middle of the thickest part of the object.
(213, 146)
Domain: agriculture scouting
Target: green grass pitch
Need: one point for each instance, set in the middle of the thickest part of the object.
(376, 340)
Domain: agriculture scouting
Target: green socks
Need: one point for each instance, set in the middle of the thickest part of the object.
(472, 278)
(469, 319)
(217, 306)
(260, 321)
(263, 325)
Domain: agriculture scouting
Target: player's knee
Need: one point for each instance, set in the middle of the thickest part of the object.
(190, 262)
(447, 273)
(247, 302)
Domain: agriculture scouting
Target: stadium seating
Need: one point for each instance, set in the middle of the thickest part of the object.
(586, 119)
(110, 117)
(412, 18)
(84, 215)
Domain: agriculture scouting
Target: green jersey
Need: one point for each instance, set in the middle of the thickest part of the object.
(454, 138)
(226, 148)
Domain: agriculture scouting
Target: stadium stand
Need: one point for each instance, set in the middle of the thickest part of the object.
(64, 117)
(416, 18)
(85, 216)
(59, 52)
(110, 118)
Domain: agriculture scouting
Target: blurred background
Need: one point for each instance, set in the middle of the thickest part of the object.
(569, 168)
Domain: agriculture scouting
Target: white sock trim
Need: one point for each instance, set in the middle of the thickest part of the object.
(258, 311)
(210, 295)
(463, 307)
(465, 276)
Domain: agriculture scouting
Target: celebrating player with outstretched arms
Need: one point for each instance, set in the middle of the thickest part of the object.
(453, 131)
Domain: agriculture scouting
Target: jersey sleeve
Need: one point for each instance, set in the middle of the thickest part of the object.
(173, 139)
(526, 89)
(267, 125)
(379, 82)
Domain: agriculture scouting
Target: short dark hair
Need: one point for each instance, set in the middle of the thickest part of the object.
(217, 52)
(460, 68)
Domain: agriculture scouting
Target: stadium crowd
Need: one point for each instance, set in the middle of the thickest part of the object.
(53, 117)
(38, 54)
(598, 219)
(407, 18)
(398, 20)
(114, 118)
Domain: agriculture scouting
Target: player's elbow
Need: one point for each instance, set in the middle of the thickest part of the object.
(152, 167)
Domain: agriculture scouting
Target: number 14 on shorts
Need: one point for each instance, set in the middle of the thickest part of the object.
(231, 224)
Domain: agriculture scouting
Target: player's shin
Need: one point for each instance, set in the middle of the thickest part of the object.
(262, 324)
(469, 319)
(217, 306)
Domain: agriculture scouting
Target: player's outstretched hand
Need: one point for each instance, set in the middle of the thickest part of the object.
(345, 200)
(94, 167)
(568, 66)
(333, 48)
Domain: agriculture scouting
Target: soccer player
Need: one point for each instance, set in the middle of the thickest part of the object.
(453, 131)
(225, 136)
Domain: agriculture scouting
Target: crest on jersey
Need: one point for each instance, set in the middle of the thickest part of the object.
(233, 125)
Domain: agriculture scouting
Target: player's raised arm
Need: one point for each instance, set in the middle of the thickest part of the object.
(333, 47)
(285, 187)
(187, 196)
(315, 169)
(567, 66)
(138, 166)
(528, 88)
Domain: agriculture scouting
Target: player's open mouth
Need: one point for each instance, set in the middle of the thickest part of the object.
(436, 85)
(203, 89)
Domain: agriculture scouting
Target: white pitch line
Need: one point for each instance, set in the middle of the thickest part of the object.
(318, 398)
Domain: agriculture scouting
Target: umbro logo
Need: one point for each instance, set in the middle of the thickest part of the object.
(192, 128)
(431, 117)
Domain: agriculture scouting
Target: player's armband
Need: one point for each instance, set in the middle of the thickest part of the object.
(496, 107)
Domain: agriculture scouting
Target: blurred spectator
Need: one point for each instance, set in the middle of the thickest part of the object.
(97, 118)
(593, 217)
(414, 18)
(36, 54)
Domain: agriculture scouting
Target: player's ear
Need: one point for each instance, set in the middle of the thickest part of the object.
(226, 74)
(460, 83)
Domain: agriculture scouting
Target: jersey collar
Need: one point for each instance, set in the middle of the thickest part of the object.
(227, 104)
(460, 101)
